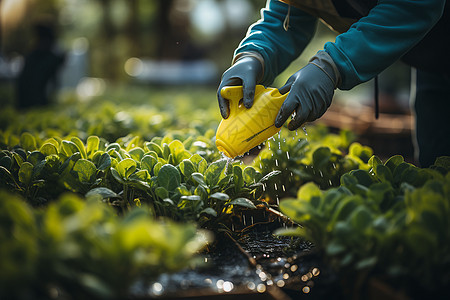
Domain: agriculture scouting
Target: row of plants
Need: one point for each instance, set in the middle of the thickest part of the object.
(163, 174)
(154, 163)
(81, 249)
(122, 111)
(390, 222)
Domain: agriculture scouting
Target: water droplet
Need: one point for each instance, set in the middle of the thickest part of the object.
(276, 162)
(306, 289)
(315, 271)
(280, 283)
(157, 288)
(321, 174)
(220, 283)
(251, 285)
(287, 154)
(283, 187)
(227, 286)
(275, 187)
(261, 288)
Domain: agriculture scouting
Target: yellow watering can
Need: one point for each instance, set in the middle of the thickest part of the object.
(246, 128)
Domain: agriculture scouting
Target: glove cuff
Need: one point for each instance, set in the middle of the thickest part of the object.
(255, 55)
(324, 61)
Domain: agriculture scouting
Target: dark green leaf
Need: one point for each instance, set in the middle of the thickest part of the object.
(169, 177)
(244, 202)
(212, 173)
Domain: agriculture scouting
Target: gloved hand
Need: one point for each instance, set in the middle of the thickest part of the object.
(246, 71)
(311, 91)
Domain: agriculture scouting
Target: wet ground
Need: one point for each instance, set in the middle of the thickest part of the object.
(250, 264)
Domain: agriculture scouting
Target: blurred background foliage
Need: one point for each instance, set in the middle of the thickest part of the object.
(175, 46)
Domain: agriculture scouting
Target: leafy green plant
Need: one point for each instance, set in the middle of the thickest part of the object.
(162, 174)
(82, 249)
(391, 220)
(319, 157)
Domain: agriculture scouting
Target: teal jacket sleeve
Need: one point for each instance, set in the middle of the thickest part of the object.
(277, 46)
(376, 41)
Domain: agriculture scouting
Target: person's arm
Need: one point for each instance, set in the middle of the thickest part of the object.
(277, 47)
(376, 41)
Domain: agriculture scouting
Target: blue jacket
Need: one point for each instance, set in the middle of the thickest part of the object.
(370, 44)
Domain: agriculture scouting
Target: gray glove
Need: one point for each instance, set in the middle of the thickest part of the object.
(311, 91)
(246, 71)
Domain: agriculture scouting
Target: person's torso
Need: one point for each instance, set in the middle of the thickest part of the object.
(337, 14)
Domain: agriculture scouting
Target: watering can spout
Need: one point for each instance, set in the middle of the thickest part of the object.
(245, 128)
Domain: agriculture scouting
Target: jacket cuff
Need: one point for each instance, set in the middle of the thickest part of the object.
(324, 61)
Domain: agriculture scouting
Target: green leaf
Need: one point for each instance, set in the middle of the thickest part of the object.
(101, 193)
(209, 211)
(162, 192)
(85, 170)
(238, 179)
(157, 167)
(28, 142)
(200, 162)
(308, 191)
(393, 162)
(244, 202)
(48, 149)
(104, 162)
(169, 177)
(148, 162)
(92, 145)
(126, 167)
(141, 175)
(383, 173)
(178, 151)
(136, 153)
(80, 146)
(6, 162)
(117, 176)
(361, 218)
(443, 162)
(165, 151)
(212, 173)
(321, 157)
(154, 147)
(363, 177)
(374, 161)
(25, 173)
(250, 175)
(114, 146)
(220, 196)
(68, 148)
(187, 168)
(134, 142)
(191, 198)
